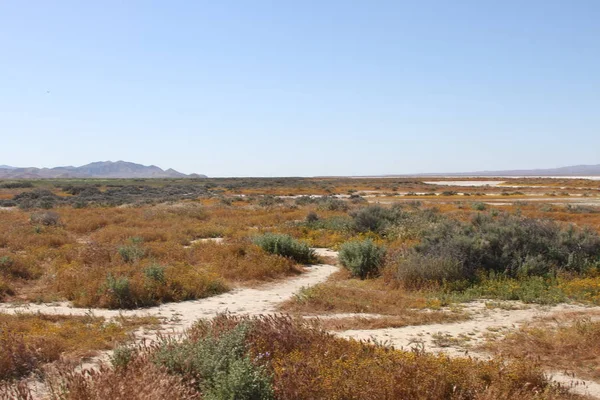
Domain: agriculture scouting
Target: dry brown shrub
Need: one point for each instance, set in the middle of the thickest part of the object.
(355, 296)
(75, 259)
(140, 380)
(19, 390)
(17, 358)
(88, 273)
(408, 317)
(29, 340)
(561, 343)
(241, 261)
(307, 362)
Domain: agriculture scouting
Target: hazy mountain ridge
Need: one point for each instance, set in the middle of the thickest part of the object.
(99, 169)
(572, 170)
(569, 171)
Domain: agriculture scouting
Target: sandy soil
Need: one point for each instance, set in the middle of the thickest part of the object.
(204, 240)
(465, 183)
(177, 317)
(180, 316)
(458, 339)
(484, 322)
(455, 339)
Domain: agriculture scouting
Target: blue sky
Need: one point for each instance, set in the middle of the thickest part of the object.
(301, 88)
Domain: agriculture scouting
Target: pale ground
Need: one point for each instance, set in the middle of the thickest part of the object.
(216, 240)
(452, 338)
(465, 183)
(457, 339)
(180, 316)
(177, 317)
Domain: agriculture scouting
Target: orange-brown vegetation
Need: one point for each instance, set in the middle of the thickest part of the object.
(407, 318)
(127, 257)
(136, 252)
(29, 340)
(564, 342)
(345, 295)
(286, 359)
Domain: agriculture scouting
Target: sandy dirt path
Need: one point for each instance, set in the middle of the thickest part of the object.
(484, 322)
(179, 316)
(454, 339)
(458, 339)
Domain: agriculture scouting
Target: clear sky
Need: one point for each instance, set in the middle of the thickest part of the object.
(301, 88)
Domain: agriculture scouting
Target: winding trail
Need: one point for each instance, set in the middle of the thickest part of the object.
(460, 339)
(177, 317)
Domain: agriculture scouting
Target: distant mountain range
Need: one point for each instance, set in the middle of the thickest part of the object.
(570, 171)
(574, 170)
(100, 169)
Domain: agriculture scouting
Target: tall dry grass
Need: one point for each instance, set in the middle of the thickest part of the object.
(29, 340)
(135, 256)
(305, 362)
(560, 343)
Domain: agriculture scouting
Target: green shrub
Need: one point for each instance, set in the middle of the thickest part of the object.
(132, 252)
(119, 291)
(286, 246)
(311, 217)
(332, 204)
(362, 258)
(479, 206)
(8, 203)
(16, 185)
(242, 381)
(217, 364)
(305, 200)
(417, 271)
(269, 201)
(375, 219)
(155, 273)
(122, 356)
(357, 199)
(512, 245)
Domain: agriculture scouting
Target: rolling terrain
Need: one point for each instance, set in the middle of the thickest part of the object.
(100, 169)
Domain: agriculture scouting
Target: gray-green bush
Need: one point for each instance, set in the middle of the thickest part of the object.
(132, 252)
(218, 365)
(362, 258)
(119, 291)
(506, 245)
(416, 271)
(375, 218)
(332, 204)
(122, 356)
(155, 273)
(479, 206)
(286, 246)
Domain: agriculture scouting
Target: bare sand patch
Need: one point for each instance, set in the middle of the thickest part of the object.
(179, 316)
(459, 339)
(465, 183)
(483, 323)
(218, 240)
